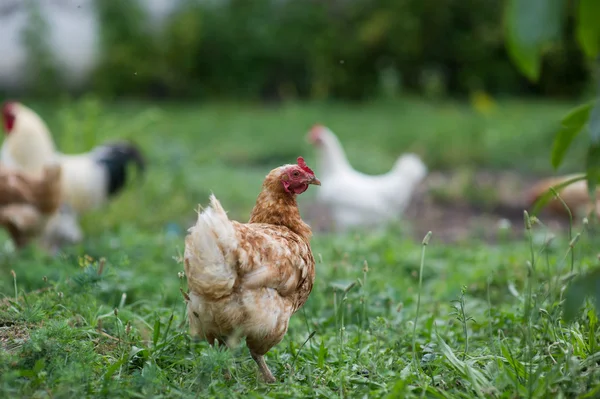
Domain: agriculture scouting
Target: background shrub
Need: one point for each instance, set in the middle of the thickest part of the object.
(346, 49)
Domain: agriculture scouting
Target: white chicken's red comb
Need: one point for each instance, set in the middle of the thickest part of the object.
(8, 106)
(304, 166)
(316, 128)
(315, 132)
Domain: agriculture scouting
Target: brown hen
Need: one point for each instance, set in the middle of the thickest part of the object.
(247, 279)
(26, 202)
(575, 196)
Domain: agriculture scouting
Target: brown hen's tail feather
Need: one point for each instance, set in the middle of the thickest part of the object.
(206, 247)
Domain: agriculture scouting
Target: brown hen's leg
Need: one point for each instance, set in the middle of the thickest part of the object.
(262, 366)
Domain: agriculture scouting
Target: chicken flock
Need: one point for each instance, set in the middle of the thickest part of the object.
(245, 280)
(88, 181)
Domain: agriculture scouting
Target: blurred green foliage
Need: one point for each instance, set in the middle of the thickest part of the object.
(532, 26)
(42, 68)
(354, 49)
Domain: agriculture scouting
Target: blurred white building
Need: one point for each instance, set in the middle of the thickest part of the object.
(73, 36)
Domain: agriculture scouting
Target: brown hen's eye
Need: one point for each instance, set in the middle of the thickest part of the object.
(296, 174)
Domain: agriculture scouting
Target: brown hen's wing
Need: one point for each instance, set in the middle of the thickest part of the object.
(20, 188)
(47, 191)
(15, 188)
(269, 256)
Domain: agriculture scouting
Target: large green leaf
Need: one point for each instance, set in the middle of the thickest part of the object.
(571, 125)
(529, 26)
(587, 285)
(588, 28)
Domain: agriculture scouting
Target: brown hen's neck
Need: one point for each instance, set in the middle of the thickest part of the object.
(276, 206)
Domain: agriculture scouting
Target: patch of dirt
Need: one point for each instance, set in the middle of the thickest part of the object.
(462, 205)
(490, 205)
(12, 336)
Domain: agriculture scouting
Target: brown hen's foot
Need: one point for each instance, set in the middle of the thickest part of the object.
(264, 369)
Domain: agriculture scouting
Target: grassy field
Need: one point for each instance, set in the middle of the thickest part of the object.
(387, 317)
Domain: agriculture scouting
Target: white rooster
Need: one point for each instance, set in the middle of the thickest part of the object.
(355, 199)
(88, 181)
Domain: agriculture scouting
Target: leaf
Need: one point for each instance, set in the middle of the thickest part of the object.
(561, 144)
(113, 368)
(591, 394)
(514, 363)
(578, 116)
(588, 29)
(39, 366)
(156, 334)
(476, 377)
(399, 389)
(582, 287)
(166, 334)
(321, 355)
(134, 351)
(529, 26)
(571, 125)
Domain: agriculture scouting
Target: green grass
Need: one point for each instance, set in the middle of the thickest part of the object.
(489, 319)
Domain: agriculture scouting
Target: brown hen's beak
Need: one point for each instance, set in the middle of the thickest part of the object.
(314, 181)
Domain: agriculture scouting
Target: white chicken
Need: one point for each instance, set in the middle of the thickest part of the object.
(88, 181)
(355, 199)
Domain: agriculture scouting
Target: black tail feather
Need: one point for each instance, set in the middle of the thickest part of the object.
(116, 157)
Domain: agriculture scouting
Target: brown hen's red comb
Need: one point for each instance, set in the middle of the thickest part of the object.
(304, 166)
